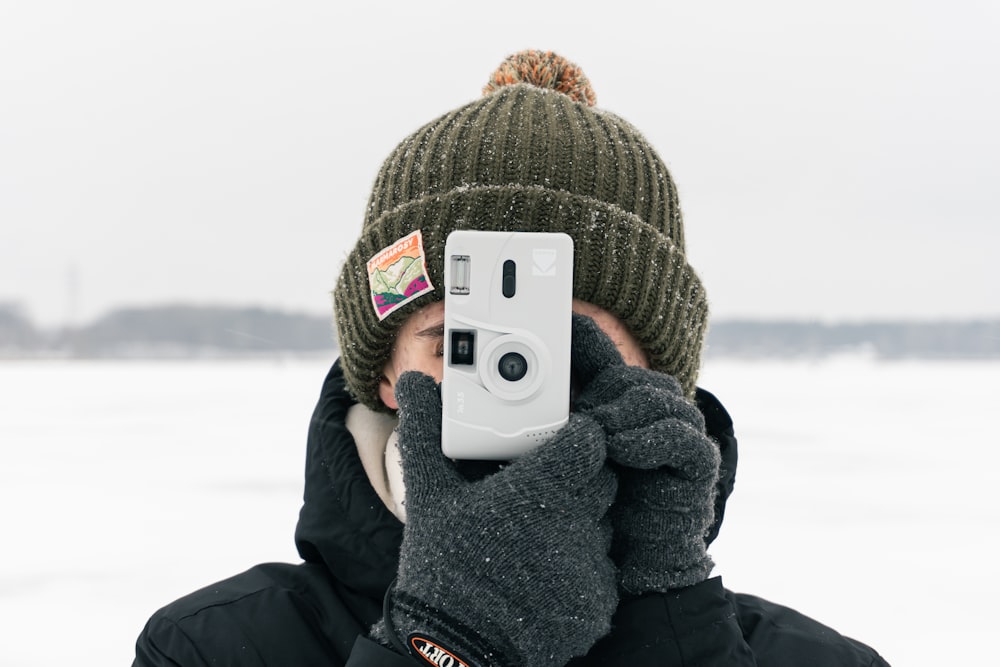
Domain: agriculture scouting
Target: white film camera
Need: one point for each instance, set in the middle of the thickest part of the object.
(507, 327)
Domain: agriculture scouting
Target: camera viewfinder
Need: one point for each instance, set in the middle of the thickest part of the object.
(509, 278)
(463, 348)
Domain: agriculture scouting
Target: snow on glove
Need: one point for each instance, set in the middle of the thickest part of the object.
(512, 569)
(669, 466)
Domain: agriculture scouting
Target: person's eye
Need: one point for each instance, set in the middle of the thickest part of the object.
(439, 349)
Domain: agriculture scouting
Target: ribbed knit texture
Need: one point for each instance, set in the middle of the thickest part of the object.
(524, 158)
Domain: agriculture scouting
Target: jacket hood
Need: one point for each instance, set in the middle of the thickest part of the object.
(719, 426)
(346, 526)
(343, 523)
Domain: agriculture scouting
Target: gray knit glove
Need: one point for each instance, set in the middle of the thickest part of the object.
(669, 465)
(512, 569)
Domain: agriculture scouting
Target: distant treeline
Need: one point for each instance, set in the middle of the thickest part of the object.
(191, 331)
(171, 331)
(885, 340)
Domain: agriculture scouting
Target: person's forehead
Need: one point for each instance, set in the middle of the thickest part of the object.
(427, 321)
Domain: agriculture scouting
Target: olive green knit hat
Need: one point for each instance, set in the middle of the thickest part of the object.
(533, 154)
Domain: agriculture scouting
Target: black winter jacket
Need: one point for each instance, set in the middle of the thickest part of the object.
(318, 612)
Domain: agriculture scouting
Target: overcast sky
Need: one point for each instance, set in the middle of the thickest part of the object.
(835, 160)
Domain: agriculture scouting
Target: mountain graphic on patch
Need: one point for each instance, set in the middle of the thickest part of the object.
(398, 274)
(398, 282)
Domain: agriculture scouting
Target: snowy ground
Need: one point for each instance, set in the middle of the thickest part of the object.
(864, 496)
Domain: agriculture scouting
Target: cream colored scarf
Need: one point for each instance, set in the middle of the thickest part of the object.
(378, 446)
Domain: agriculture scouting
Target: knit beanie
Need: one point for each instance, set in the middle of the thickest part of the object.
(532, 154)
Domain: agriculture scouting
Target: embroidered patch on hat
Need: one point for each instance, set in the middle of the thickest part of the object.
(431, 651)
(397, 274)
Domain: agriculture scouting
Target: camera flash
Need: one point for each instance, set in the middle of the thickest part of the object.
(459, 274)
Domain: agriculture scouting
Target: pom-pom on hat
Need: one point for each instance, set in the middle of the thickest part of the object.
(533, 154)
(544, 70)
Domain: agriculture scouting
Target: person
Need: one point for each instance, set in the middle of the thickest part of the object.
(591, 548)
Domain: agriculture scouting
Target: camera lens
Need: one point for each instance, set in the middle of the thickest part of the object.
(513, 366)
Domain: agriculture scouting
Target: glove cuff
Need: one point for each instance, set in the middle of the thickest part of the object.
(637, 577)
(419, 630)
